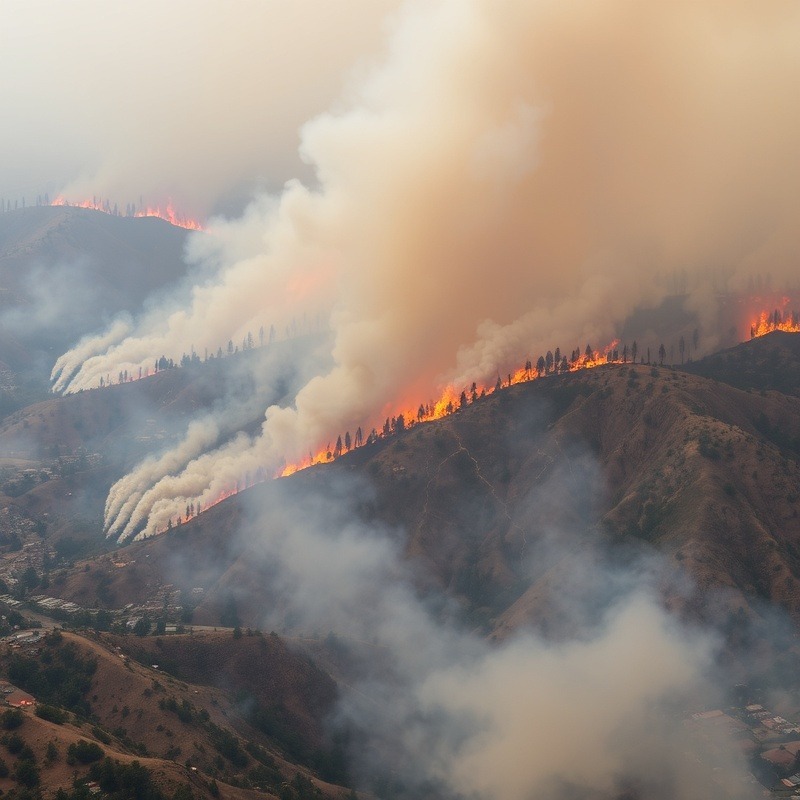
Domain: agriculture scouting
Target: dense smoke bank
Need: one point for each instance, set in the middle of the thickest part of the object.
(591, 712)
(512, 178)
(193, 102)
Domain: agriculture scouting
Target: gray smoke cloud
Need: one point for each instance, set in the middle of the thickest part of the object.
(510, 178)
(596, 709)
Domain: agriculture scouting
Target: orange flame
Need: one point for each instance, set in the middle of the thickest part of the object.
(193, 510)
(776, 320)
(168, 214)
(451, 400)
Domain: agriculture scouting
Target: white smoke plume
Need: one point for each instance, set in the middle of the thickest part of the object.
(511, 178)
(580, 713)
(125, 496)
(270, 373)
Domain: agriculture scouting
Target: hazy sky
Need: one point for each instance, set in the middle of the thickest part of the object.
(192, 100)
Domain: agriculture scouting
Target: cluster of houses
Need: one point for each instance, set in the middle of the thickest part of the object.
(54, 604)
(31, 550)
(773, 741)
(766, 725)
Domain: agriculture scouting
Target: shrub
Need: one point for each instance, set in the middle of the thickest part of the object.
(11, 719)
(85, 752)
(27, 774)
(26, 754)
(14, 743)
(51, 714)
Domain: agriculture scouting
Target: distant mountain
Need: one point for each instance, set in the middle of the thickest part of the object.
(66, 272)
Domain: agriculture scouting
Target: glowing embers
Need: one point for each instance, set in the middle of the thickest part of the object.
(167, 213)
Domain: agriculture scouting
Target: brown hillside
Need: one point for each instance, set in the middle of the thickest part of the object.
(768, 362)
(633, 453)
(143, 713)
(256, 669)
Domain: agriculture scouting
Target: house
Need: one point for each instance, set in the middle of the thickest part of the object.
(784, 756)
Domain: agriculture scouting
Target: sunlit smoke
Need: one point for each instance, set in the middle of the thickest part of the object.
(511, 178)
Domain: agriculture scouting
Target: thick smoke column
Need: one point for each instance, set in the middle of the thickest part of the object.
(511, 179)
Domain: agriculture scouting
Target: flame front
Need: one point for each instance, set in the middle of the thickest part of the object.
(168, 213)
(776, 320)
(452, 399)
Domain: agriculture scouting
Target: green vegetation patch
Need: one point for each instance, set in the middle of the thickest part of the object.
(60, 677)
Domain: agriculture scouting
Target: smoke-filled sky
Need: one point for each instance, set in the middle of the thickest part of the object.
(194, 101)
(496, 179)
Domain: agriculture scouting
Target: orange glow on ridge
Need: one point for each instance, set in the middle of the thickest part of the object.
(168, 213)
(452, 400)
(776, 320)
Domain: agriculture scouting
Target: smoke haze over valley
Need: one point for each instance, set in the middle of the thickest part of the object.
(404, 204)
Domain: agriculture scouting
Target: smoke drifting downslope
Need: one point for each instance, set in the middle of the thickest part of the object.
(590, 713)
(512, 178)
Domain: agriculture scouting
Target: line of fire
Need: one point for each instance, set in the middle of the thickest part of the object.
(167, 212)
(452, 400)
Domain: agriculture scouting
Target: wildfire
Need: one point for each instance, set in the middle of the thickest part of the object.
(168, 213)
(192, 509)
(452, 400)
(775, 321)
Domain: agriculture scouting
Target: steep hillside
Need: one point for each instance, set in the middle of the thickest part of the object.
(494, 502)
(66, 272)
(194, 734)
(770, 362)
